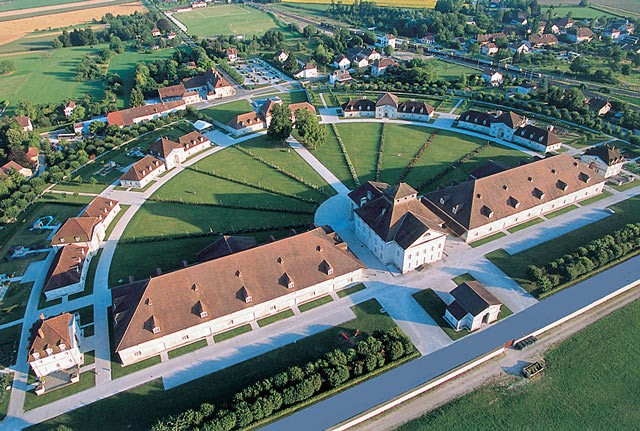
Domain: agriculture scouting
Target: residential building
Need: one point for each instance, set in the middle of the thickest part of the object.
(579, 35)
(563, 23)
(599, 106)
(246, 123)
(380, 66)
(310, 70)
(131, 116)
(156, 32)
(604, 159)
(142, 172)
(388, 106)
(211, 85)
(282, 56)
(537, 138)
(523, 47)
(25, 123)
(539, 41)
(359, 108)
(492, 78)
(87, 232)
(68, 272)
(491, 37)
(481, 207)
(394, 224)
(104, 209)
(55, 348)
(489, 49)
(339, 76)
(341, 62)
(232, 55)
(178, 92)
(173, 153)
(386, 40)
(294, 107)
(11, 165)
(501, 125)
(471, 306)
(33, 157)
(69, 107)
(161, 313)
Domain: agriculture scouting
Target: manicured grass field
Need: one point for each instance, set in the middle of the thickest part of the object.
(331, 156)
(227, 335)
(401, 145)
(288, 98)
(226, 20)
(588, 384)
(449, 71)
(139, 408)
(361, 141)
(515, 266)
(576, 12)
(187, 349)
(32, 401)
(525, 225)
(65, 198)
(14, 303)
(275, 318)
(225, 112)
(561, 211)
(9, 342)
(626, 186)
(315, 303)
(487, 239)
(351, 290)
(463, 278)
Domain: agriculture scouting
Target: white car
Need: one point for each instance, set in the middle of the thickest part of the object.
(609, 210)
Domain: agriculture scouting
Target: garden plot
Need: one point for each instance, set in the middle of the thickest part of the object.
(257, 72)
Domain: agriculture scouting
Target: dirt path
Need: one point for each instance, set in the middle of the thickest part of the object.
(16, 29)
(501, 368)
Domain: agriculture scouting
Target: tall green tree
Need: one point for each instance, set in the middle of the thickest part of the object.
(281, 124)
(311, 131)
(137, 98)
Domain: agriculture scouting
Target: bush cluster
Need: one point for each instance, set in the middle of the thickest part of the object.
(584, 260)
(297, 384)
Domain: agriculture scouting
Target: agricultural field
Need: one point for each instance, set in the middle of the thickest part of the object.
(226, 20)
(576, 12)
(588, 381)
(396, 3)
(618, 7)
(6, 5)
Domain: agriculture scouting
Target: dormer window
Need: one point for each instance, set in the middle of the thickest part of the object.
(486, 211)
(156, 329)
(49, 351)
(456, 208)
(77, 238)
(444, 199)
(62, 346)
(584, 177)
(61, 239)
(326, 267)
(562, 185)
(280, 260)
(538, 193)
(204, 314)
(35, 355)
(513, 202)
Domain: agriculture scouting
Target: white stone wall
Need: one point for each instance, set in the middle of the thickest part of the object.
(106, 221)
(526, 215)
(359, 114)
(414, 116)
(224, 323)
(249, 129)
(146, 180)
(474, 323)
(534, 145)
(386, 111)
(475, 127)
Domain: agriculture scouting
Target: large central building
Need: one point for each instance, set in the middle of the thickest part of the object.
(170, 310)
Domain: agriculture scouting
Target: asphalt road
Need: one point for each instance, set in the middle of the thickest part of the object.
(387, 386)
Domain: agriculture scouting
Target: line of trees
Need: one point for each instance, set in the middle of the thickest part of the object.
(586, 259)
(294, 386)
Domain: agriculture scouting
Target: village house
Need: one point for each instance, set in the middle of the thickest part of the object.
(295, 107)
(211, 85)
(380, 66)
(579, 35)
(55, 348)
(481, 207)
(540, 41)
(523, 47)
(85, 232)
(489, 49)
(599, 106)
(604, 159)
(178, 92)
(33, 157)
(562, 24)
(281, 56)
(25, 123)
(341, 62)
(310, 70)
(10, 166)
(246, 123)
(483, 39)
(131, 116)
(164, 312)
(69, 107)
(142, 172)
(537, 138)
(156, 32)
(492, 78)
(339, 77)
(388, 106)
(471, 306)
(232, 55)
(396, 226)
(68, 272)
(386, 40)
(173, 153)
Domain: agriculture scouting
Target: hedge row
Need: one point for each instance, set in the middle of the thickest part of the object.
(277, 394)
(255, 186)
(231, 72)
(419, 154)
(212, 233)
(283, 171)
(453, 166)
(584, 260)
(347, 159)
(235, 207)
(383, 137)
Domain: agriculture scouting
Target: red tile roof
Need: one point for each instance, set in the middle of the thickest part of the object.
(67, 266)
(50, 334)
(75, 230)
(142, 168)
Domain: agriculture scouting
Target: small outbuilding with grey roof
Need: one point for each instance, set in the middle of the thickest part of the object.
(471, 306)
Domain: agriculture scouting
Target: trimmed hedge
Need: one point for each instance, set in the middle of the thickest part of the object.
(453, 166)
(419, 154)
(383, 136)
(347, 159)
(285, 391)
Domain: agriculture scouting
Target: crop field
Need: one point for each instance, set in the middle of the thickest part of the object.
(588, 384)
(17, 28)
(6, 5)
(226, 19)
(396, 3)
(616, 6)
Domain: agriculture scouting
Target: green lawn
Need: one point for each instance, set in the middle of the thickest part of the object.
(73, 187)
(588, 384)
(89, 357)
(525, 225)
(9, 341)
(48, 76)
(275, 318)
(561, 211)
(351, 290)
(86, 315)
(68, 198)
(331, 156)
(288, 98)
(14, 303)
(226, 20)
(401, 146)
(6, 380)
(218, 338)
(139, 408)
(603, 195)
(27, 4)
(315, 303)
(362, 141)
(225, 112)
(577, 12)
(114, 222)
(449, 71)
(515, 266)
(487, 239)
(32, 401)
(187, 349)
(626, 186)
(463, 278)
